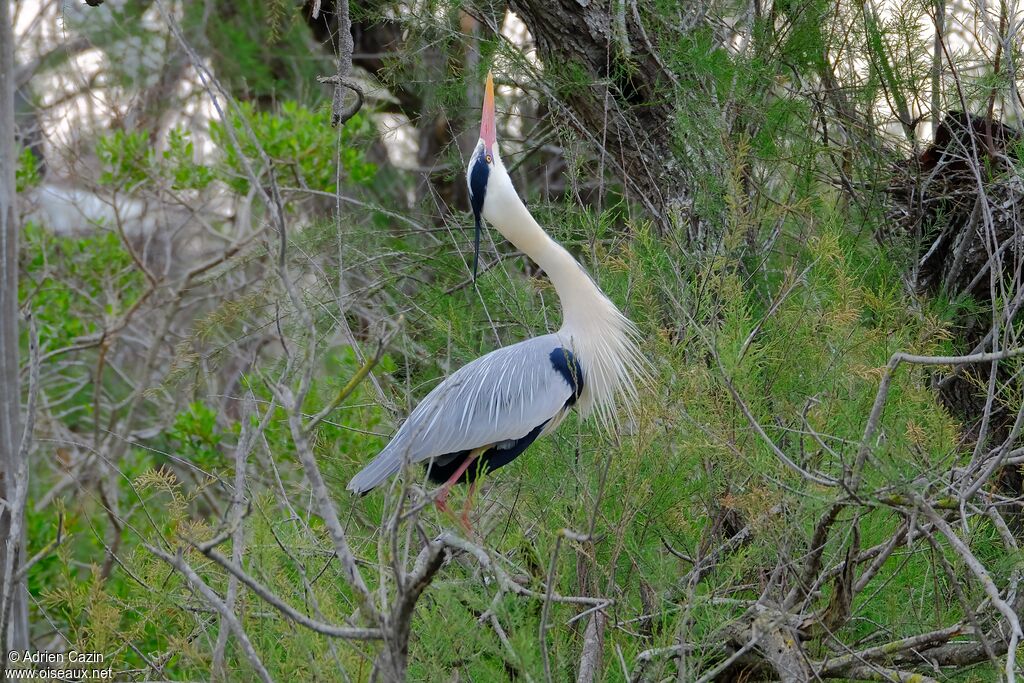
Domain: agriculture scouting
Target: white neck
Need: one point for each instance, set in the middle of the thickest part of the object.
(598, 333)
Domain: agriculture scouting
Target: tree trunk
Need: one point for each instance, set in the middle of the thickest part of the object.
(628, 106)
(14, 614)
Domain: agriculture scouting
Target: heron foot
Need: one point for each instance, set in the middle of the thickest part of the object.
(441, 502)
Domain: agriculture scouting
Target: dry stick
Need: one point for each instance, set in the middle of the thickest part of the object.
(986, 418)
(593, 644)
(585, 613)
(507, 585)
(728, 661)
(393, 660)
(324, 503)
(880, 673)
(284, 608)
(513, 655)
(817, 548)
(15, 507)
(997, 454)
(505, 582)
(647, 656)
(286, 506)
(178, 562)
(916, 530)
(989, 586)
(1001, 526)
(875, 416)
(546, 609)
(775, 629)
(786, 460)
(235, 514)
(842, 664)
(970, 611)
(705, 564)
(884, 552)
(428, 562)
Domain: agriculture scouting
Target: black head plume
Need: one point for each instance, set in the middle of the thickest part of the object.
(477, 189)
(476, 248)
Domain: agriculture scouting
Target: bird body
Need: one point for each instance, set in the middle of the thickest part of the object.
(492, 409)
(512, 394)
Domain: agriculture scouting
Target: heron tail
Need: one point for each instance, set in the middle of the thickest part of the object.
(371, 476)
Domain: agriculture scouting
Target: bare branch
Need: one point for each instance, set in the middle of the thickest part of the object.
(268, 596)
(178, 562)
(985, 579)
(325, 505)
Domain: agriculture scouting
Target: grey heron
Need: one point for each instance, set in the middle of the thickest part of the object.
(489, 411)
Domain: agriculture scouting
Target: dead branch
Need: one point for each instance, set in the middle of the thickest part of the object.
(985, 579)
(837, 667)
(178, 562)
(325, 505)
(593, 646)
(274, 601)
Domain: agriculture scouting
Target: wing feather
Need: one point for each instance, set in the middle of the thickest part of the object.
(500, 396)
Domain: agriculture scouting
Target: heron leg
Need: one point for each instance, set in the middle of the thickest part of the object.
(441, 500)
(468, 505)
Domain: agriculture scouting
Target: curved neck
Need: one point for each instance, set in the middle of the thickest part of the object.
(606, 342)
(577, 293)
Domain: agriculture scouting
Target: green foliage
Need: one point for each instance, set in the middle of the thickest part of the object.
(180, 165)
(803, 41)
(76, 288)
(198, 438)
(73, 285)
(295, 139)
(26, 174)
(129, 160)
(261, 50)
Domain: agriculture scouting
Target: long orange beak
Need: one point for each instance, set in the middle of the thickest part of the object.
(487, 130)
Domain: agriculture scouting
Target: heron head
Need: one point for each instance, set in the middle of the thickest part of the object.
(482, 164)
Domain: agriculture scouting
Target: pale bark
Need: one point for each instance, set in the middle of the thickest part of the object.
(14, 614)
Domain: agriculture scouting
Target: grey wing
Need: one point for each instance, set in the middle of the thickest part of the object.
(503, 395)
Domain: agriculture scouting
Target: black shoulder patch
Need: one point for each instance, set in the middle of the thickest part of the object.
(569, 368)
(478, 184)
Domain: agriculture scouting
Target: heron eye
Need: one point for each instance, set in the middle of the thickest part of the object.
(488, 158)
